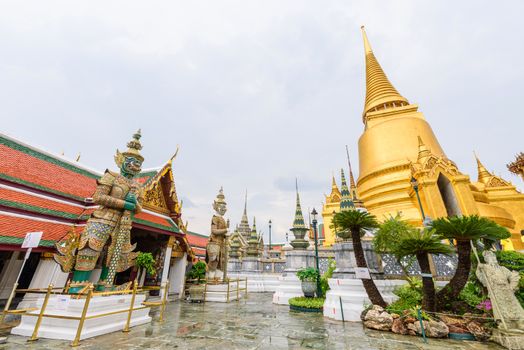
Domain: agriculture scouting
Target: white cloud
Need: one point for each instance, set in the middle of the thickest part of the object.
(256, 93)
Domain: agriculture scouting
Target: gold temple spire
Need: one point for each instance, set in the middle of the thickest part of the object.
(380, 93)
(334, 186)
(483, 174)
(423, 151)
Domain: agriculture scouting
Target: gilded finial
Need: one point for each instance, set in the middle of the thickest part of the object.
(483, 173)
(423, 151)
(367, 46)
(380, 93)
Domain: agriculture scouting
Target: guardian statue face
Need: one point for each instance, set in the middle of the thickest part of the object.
(220, 208)
(131, 166)
(490, 257)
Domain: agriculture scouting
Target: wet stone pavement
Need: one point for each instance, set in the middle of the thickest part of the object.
(253, 323)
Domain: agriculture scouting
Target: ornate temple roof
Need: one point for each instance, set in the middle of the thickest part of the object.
(335, 195)
(379, 90)
(489, 179)
(345, 203)
(243, 229)
(40, 191)
(298, 222)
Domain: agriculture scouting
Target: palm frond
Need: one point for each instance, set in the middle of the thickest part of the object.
(471, 227)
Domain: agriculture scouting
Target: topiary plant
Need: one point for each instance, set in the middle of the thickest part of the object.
(198, 271)
(332, 265)
(145, 261)
(308, 274)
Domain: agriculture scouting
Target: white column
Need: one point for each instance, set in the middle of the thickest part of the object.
(48, 272)
(177, 275)
(9, 273)
(165, 270)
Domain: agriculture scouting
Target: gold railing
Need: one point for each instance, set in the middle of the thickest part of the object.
(233, 286)
(90, 293)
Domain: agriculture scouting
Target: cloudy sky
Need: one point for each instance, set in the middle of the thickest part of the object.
(256, 93)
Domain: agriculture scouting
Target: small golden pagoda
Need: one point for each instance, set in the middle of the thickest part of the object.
(331, 207)
(398, 144)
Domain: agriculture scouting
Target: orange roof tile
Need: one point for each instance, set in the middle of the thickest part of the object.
(18, 227)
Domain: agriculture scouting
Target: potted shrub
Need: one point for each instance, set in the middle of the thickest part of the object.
(196, 277)
(308, 277)
(145, 262)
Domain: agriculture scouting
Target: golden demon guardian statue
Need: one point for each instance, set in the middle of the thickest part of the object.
(107, 232)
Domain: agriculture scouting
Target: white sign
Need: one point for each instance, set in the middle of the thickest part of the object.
(32, 239)
(62, 302)
(362, 273)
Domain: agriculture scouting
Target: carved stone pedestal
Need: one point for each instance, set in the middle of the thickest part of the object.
(351, 295)
(54, 328)
(289, 286)
(251, 264)
(346, 263)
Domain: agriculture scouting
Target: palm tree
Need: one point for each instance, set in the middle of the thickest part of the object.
(420, 243)
(356, 223)
(386, 238)
(465, 230)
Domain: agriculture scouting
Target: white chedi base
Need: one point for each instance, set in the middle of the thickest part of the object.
(218, 292)
(54, 328)
(289, 286)
(258, 282)
(354, 297)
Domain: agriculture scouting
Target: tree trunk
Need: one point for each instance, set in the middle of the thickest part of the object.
(452, 290)
(369, 285)
(428, 287)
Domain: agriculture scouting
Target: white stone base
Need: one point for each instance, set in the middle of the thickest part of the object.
(258, 282)
(218, 292)
(289, 286)
(54, 328)
(354, 297)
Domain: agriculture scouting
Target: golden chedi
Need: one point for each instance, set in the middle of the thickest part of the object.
(398, 144)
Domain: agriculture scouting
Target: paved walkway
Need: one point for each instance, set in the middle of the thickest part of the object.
(254, 323)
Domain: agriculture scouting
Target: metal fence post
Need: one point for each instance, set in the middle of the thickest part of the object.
(131, 307)
(76, 341)
(34, 336)
(164, 301)
(419, 314)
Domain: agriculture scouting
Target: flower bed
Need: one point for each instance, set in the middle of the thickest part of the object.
(304, 304)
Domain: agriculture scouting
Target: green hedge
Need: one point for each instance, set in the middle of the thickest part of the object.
(308, 303)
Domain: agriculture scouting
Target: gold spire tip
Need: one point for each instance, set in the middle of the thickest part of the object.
(367, 46)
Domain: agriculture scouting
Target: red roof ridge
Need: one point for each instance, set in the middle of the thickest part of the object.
(36, 218)
(61, 158)
(39, 194)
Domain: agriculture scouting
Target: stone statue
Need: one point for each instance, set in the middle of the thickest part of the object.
(502, 284)
(215, 249)
(107, 233)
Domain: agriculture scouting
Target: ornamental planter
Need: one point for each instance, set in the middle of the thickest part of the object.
(197, 293)
(305, 309)
(309, 288)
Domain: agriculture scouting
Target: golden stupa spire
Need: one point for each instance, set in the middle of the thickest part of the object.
(483, 174)
(423, 151)
(380, 93)
(334, 186)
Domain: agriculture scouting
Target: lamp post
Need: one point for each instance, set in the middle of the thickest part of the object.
(319, 289)
(414, 183)
(270, 238)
